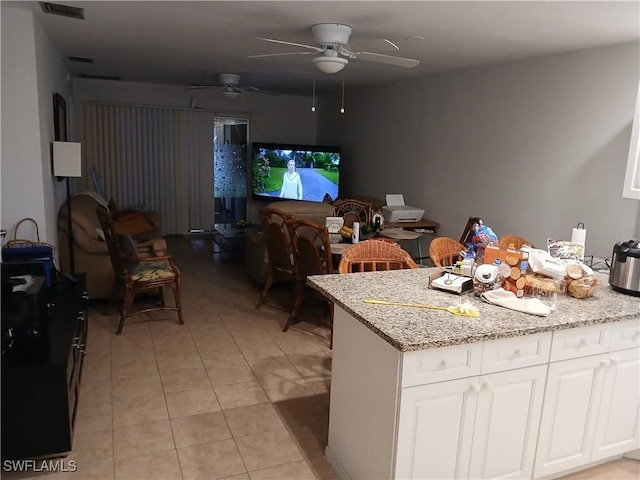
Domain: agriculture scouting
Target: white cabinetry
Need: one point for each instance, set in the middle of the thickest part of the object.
(592, 404)
(479, 410)
(447, 408)
(618, 422)
(485, 426)
(507, 420)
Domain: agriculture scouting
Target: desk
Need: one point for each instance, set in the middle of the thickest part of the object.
(425, 224)
(421, 228)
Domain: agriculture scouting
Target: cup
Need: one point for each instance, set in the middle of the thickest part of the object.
(547, 296)
(355, 237)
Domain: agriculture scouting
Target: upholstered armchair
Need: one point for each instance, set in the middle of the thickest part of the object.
(90, 251)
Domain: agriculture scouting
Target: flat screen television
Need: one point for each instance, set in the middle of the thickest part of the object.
(298, 172)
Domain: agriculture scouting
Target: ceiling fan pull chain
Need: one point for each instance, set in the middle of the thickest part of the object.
(313, 104)
(342, 107)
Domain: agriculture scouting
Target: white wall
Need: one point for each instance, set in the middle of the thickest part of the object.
(532, 147)
(32, 70)
(272, 118)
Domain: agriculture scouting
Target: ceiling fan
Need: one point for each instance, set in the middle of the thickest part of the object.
(230, 86)
(331, 39)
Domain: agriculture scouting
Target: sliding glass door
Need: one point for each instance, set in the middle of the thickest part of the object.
(230, 169)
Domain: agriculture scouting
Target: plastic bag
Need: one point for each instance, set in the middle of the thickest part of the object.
(580, 281)
(482, 236)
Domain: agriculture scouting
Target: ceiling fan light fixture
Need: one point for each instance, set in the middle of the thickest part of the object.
(230, 93)
(330, 64)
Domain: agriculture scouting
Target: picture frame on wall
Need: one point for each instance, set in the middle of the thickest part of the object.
(59, 118)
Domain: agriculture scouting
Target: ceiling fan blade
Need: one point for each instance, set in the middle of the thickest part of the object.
(388, 59)
(202, 87)
(264, 92)
(280, 54)
(302, 45)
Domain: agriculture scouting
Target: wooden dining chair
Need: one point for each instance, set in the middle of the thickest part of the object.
(135, 274)
(374, 255)
(280, 262)
(514, 241)
(312, 256)
(353, 211)
(445, 251)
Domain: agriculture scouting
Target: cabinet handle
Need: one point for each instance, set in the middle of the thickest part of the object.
(474, 387)
(604, 363)
(582, 343)
(614, 361)
(487, 386)
(516, 353)
(443, 364)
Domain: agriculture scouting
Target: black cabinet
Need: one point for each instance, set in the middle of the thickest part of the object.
(41, 379)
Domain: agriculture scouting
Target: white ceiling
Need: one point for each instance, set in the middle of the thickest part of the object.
(187, 42)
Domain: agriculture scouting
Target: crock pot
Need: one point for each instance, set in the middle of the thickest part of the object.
(625, 268)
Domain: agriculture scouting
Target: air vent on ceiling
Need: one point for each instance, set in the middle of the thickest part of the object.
(80, 59)
(63, 10)
(99, 77)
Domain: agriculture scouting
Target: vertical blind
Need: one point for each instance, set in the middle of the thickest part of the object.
(147, 158)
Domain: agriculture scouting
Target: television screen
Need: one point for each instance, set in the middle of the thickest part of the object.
(298, 172)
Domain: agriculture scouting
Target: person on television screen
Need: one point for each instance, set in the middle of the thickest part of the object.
(291, 183)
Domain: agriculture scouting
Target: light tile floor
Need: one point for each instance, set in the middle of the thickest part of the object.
(227, 395)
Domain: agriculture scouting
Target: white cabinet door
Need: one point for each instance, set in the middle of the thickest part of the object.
(507, 421)
(569, 416)
(618, 419)
(435, 429)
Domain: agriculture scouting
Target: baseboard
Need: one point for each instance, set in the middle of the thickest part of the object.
(335, 464)
(635, 455)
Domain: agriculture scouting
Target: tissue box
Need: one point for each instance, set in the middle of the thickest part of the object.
(512, 265)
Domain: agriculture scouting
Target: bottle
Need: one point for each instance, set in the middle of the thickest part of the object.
(467, 264)
(355, 236)
(377, 226)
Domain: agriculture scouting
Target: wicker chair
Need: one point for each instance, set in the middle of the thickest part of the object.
(279, 253)
(134, 274)
(373, 255)
(445, 251)
(513, 240)
(312, 256)
(353, 211)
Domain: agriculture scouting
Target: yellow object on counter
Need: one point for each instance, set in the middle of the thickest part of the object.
(466, 309)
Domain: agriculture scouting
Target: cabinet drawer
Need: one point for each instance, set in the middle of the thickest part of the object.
(510, 353)
(580, 342)
(625, 334)
(428, 366)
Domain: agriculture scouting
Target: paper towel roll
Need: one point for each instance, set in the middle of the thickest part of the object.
(579, 235)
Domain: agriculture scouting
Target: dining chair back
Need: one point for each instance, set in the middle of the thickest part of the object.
(353, 211)
(312, 256)
(514, 241)
(279, 252)
(374, 255)
(445, 251)
(134, 274)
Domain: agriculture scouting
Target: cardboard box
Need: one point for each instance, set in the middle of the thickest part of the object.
(512, 265)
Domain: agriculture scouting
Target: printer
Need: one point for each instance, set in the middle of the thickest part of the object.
(396, 211)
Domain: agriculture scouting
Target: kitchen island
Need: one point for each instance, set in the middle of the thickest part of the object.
(419, 393)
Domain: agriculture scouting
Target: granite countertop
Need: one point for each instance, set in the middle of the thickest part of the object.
(408, 328)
